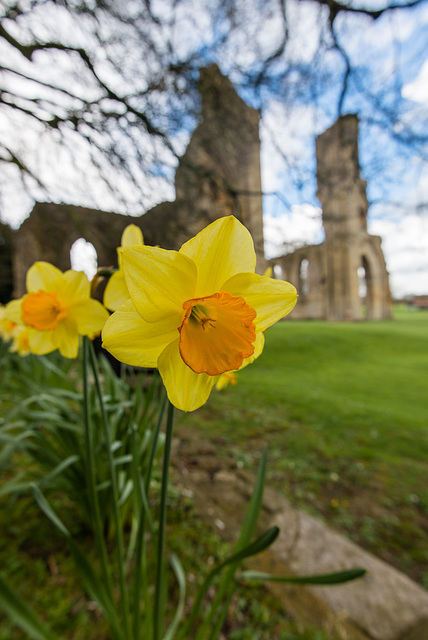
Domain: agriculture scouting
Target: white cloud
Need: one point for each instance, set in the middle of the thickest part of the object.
(301, 226)
(404, 244)
(417, 90)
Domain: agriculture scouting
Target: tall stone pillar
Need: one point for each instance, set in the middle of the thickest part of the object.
(342, 193)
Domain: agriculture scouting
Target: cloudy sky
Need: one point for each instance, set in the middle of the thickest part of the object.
(404, 232)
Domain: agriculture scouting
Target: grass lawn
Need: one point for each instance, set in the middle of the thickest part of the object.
(343, 408)
(344, 411)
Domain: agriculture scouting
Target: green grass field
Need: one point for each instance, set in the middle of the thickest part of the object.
(344, 411)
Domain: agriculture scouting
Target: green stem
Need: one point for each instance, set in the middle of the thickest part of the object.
(91, 474)
(159, 602)
(124, 598)
(141, 491)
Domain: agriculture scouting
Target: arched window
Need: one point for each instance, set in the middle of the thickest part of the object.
(83, 257)
(303, 276)
(362, 282)
(277, 272)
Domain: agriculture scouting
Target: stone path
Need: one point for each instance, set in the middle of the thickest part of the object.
(383, 605)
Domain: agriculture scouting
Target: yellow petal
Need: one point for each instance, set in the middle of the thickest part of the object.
(42, 275)
(132, 235)
(41, 342)
(67, 338)
(89, 316)
(73, 288)
(116, 292)
(271, 299)
(220, 251)
(13, 311)
(186, 390)
(158, 281)
(134, 341)
(227, 378)
(258, 348)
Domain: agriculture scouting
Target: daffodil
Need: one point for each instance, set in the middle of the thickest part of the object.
(116, 292)
(56, 310)
(6, 325)
(197, 312)
(227, 378)
(20, 343)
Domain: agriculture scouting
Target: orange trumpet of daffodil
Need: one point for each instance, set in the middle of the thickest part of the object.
(116, 292)
(56, 310)
(197, 312)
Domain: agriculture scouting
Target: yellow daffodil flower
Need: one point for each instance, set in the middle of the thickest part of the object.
(20, 343)
(268, 273)
(116, 292)
(56, 310)
(6, 326)
(197, 312)
(227, 378)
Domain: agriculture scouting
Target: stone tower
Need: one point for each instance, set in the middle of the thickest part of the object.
(348, 246)
(219, 173)
(342, 194)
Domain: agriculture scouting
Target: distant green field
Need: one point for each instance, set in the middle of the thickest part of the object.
(344, 411)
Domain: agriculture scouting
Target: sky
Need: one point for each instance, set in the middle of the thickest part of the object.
(403, 229)
(293, 217)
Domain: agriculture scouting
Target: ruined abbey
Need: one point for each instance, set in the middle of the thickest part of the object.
(218, 175)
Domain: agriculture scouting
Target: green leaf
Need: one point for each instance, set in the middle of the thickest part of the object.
(338, 577)
(260, 544)
(48, 511)
(181, 579)
(252, 515)
(95, 587)
(22, 615)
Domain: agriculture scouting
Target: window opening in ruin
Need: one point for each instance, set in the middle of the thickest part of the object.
(362, 284)
(277, 272)
(303, 276)
(83, 257)
(365, 288)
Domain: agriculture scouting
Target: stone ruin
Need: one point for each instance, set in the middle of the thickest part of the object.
(218, 175)
(344, 277)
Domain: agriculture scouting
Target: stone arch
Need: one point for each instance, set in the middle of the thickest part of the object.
(378, 298)
(277, 271)
(51, 230)
(84, 257)
(304, 276)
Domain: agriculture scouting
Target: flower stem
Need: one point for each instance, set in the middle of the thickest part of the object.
(124, 598)
(141, 491)
(159, 603)
(91, 473)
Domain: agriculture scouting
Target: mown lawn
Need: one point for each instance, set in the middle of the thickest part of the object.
(344, 410)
